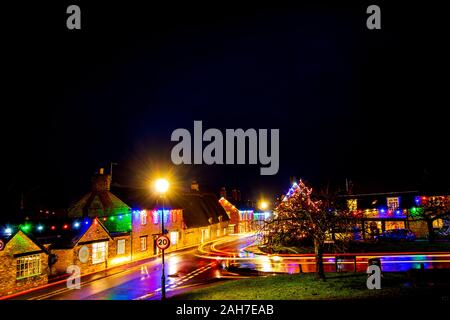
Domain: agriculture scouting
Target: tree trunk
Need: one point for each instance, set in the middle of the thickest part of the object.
(318, 250)
(431, 236)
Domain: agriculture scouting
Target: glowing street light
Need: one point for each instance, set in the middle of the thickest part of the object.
(161, 186)
(263, 205)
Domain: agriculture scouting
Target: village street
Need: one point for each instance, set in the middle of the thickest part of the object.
(206, 265)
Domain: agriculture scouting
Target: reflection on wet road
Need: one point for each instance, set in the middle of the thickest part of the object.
(234, 254)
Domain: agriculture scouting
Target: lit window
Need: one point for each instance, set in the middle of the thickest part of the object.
(224, 231)
(28, 266)
(143, 217)
(143, 243)
(205, 235)
(218, 232)
(352, 204)
(174, 237)
(393, 203)
(99, 250)
(120, 246)
(438, 223)
(155, 217)
(174, 215)
(166, 216)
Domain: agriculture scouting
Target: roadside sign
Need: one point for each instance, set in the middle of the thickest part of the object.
(162, 242)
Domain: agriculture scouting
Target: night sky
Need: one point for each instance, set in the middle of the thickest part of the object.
(368, 105)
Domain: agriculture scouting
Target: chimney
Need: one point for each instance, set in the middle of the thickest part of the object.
(194, 186)
(223, 192)
(236, 195)
(101, 181)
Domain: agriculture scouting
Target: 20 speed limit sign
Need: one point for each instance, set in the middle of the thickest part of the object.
(162, 242)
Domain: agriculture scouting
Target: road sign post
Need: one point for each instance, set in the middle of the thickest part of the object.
(162, 242)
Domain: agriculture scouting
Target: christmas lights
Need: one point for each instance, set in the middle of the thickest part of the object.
(75, 224)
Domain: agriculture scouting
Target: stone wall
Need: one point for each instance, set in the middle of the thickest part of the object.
(19, 245)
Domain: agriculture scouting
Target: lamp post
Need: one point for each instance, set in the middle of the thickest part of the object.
(161, 186)
(263, 205)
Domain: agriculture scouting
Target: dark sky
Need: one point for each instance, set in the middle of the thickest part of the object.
(349, 102)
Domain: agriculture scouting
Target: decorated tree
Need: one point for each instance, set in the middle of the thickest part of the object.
(302, 215)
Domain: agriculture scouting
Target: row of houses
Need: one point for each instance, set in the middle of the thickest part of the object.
(375, 213)
(101, 231)
(379, 212)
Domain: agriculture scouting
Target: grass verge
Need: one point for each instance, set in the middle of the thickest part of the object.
(338, 286)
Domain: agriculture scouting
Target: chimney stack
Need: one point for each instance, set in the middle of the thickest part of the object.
(195, 187)
(223, 192)
(101, 181)
(236, 195)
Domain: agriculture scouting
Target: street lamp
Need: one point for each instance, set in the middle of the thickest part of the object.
(263, 205)
(161, 187)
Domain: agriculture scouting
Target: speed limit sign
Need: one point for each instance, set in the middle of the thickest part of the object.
(162, 242)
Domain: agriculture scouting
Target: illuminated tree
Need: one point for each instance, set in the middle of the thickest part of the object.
(302, 215)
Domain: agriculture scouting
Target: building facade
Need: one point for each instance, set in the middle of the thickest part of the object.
(377, 212)
(23, 263)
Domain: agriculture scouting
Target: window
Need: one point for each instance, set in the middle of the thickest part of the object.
(352, 204)
(218, 232)
(155, 217)
(438, 223)
(143, 241)
(121, 246)
(143, 217)
(28, 266)
(166, 216)
(99, 250)
(224, 231)
(393, 203)
(174, 215)
(174, 237)
(205, 235)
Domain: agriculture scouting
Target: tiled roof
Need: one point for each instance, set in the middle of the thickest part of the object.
(200, 209)
(98, 204)
(197, 207)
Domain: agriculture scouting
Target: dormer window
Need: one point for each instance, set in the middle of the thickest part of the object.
(393, 203)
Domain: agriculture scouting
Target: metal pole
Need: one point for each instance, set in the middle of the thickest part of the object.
(163, 276)
(111, 169)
